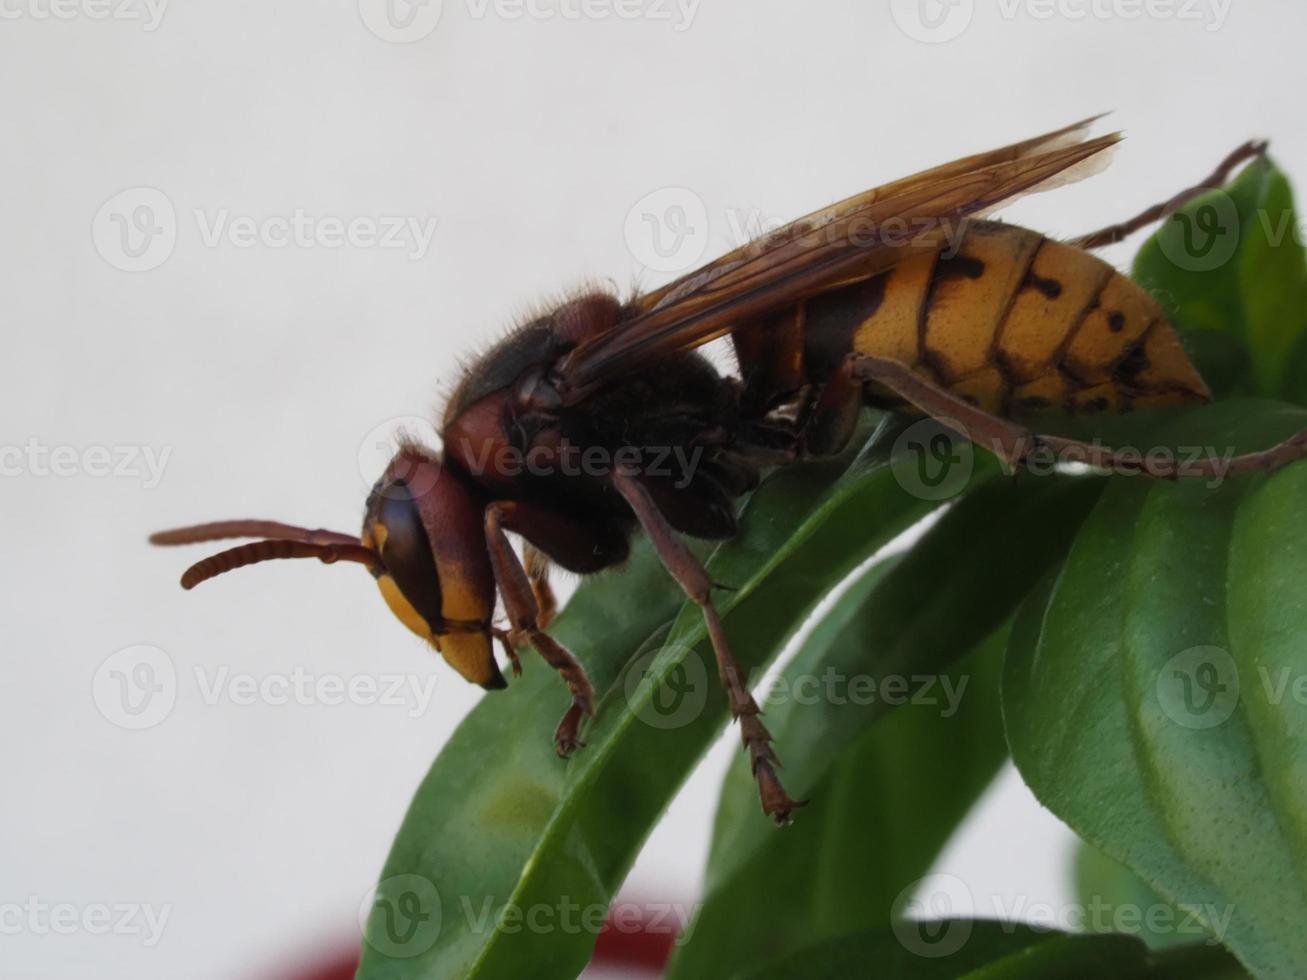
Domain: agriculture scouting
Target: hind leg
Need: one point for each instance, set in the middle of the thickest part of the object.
(1159, 212)
(1015, 444)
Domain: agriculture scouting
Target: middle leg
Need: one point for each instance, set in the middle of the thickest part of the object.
(693, 578)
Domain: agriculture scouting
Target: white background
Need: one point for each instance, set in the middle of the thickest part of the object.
(263, 369)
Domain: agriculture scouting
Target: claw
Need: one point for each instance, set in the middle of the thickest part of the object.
(776, 803)
(567, 737)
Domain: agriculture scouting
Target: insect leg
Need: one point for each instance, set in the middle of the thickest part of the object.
(524, 617)
(693, 578)
(834, 416)
(1014, 443)
(1118, 232)
(537, 570)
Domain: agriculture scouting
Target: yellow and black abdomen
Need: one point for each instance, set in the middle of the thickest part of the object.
(1010, 320)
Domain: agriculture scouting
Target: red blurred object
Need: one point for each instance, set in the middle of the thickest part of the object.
(640, 940)
(644, 949)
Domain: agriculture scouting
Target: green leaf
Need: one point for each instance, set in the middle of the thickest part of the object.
(1131, 699)
(1233, 261)
(978, 949)
(511, 841)
(878, 816)
(1266, 601)
(885, 798)
(1294, 388)
(1114, 898)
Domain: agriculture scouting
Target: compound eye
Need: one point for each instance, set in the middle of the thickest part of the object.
(405, 550)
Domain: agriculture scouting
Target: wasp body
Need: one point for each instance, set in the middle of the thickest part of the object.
(600, 419)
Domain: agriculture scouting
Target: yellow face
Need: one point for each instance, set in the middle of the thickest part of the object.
(403, 609)
(436, 600)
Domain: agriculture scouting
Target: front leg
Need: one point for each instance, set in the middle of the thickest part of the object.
(537, 570)
(693, 578)
(524, 618)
